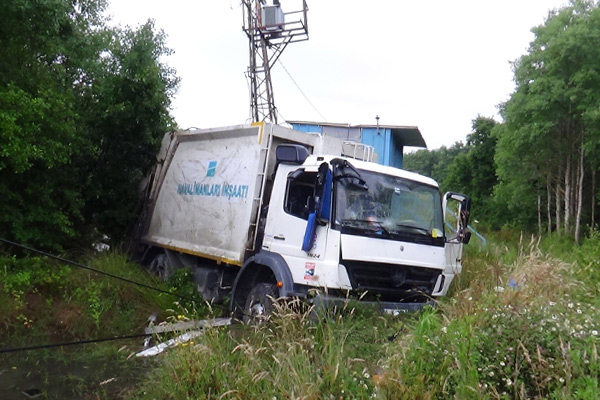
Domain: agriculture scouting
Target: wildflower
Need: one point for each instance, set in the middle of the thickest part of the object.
(594, 333)
(570, 305)
(444, 329)
(579, 311)
(502, 364)
(491, 373)
(470, 298)
(561, 380)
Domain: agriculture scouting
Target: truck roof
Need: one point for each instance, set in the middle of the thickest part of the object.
(315, 160)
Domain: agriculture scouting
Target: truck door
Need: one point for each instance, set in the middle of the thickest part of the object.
(291, 206)
(456, 219)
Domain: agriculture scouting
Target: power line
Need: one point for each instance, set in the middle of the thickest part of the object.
(297, 86)
(76, 264)
(48, 346)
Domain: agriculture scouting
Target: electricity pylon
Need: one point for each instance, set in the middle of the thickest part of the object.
(269, 31)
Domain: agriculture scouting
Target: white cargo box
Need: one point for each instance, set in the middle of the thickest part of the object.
(206, 197)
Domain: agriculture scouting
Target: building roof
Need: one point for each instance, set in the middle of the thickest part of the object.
(404, 135)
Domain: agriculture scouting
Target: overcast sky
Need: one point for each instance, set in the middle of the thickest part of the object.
(433, 64)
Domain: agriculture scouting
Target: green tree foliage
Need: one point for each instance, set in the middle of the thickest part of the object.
(433, 163)
(473, 172)
(126, 121)
(549, 143)
(82, 110)
(468, 169)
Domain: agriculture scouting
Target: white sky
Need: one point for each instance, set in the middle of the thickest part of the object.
(433, 64)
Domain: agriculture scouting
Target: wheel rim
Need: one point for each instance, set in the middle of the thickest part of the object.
(257, 309)
(160, 267)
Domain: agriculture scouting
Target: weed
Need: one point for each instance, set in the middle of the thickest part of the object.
(527, 338)
(293, 355)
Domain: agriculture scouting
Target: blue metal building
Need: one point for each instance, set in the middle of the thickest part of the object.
(387, 140)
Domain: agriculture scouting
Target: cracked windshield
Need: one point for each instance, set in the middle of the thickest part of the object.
(388, 205)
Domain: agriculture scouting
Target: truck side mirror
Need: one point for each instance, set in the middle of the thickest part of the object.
(466, 238)
(465, 211)
(461, 217)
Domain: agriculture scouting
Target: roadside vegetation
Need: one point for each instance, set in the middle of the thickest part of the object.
(46, 302)
(522, 323)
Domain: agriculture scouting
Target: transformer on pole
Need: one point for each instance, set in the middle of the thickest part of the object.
(269, 31)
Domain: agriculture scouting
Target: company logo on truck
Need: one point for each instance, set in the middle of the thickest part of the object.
(202, 188)
(212, 168)
(214, 190)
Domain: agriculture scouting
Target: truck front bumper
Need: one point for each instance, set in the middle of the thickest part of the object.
(395, 308)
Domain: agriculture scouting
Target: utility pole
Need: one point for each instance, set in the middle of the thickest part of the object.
(269, 31)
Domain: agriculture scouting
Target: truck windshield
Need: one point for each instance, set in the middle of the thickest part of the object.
(390, 207)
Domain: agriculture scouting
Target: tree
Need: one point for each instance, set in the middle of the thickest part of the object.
(433, 163)
(551, 120)
(127, 121)
(82, 109)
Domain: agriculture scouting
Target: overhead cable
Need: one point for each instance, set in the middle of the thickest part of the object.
(48, 346)
(309, 102)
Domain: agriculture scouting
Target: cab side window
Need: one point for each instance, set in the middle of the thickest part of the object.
(299, 195)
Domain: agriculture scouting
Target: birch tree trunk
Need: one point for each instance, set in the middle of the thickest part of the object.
(557, 211)
(593, 221)
(579, 194)
(548, 203)
(539, 213)
(567, 195)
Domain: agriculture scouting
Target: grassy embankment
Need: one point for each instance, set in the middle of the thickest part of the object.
(44, 301)
(521, 322)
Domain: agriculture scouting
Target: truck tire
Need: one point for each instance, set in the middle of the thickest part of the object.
(260, 301)
(161, 267)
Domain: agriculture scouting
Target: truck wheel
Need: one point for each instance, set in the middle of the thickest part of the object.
(259, 304)
(161, 267)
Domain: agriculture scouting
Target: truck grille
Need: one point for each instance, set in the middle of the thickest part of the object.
(392, 282)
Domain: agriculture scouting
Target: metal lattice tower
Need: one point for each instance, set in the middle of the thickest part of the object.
(269, 32)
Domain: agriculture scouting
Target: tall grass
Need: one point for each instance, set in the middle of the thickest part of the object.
(518, 331)
(292, 356)
(519, 324)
